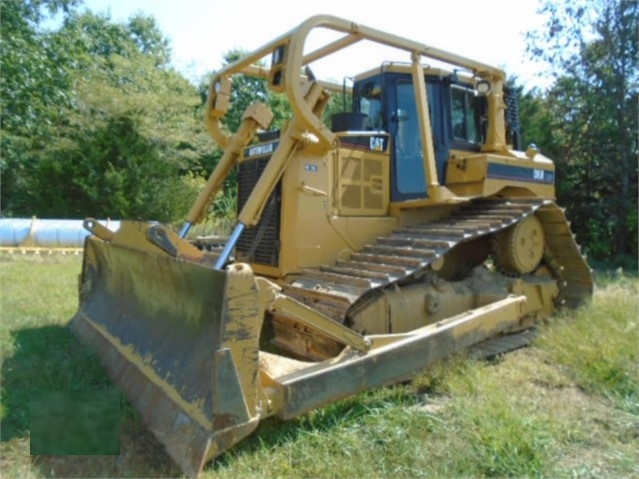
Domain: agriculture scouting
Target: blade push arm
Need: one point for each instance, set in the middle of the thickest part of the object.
(291, 139)
(256, 116)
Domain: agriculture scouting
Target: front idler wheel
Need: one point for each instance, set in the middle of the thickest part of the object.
(519, 249)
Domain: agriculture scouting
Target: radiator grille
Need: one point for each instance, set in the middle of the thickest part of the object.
(260, 243)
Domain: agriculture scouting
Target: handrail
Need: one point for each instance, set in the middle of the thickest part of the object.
(295, 61)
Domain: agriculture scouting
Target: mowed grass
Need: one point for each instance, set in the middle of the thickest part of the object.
(568, 406)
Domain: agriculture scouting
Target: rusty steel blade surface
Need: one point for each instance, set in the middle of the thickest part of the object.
(156, 322)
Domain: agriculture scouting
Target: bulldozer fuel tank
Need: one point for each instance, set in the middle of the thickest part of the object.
(179, 338)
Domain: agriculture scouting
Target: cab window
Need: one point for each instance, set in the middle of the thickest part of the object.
(465, 114)
(370, 103)
(409, 162)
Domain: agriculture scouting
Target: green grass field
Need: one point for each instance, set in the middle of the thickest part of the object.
(567, 406)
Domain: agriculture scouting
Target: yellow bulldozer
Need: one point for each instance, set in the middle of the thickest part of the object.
(367, 246)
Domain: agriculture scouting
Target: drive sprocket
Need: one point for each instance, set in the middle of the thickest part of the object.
(519, 249)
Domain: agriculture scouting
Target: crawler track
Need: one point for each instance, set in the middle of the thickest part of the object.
(407, 252)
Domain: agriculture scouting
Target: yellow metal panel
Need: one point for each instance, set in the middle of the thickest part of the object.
(314, 228)
(362, 183)
(466, 169)
(488, 174)
(307, 238)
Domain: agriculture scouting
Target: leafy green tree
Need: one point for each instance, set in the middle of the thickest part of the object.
(591, 113)
(140, 122)
(34, 89)
(116, 133)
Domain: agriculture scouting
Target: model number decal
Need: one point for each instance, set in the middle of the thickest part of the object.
(520, 173)
(311, 167)
(538, 175)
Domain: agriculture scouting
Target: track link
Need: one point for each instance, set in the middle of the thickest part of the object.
(405, 253)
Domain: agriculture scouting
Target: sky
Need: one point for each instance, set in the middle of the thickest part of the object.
(202, 31)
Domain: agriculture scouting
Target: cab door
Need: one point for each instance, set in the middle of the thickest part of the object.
(407, 160)
(388, 101)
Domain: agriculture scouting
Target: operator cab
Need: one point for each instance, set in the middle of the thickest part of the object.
(457, 115)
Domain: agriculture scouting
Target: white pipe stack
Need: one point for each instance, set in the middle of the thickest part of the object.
(46, 233)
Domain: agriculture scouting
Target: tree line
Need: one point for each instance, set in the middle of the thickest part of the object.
(95, 121)
(586, 121)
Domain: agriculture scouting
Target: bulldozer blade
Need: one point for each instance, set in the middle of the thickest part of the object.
(179, 338)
